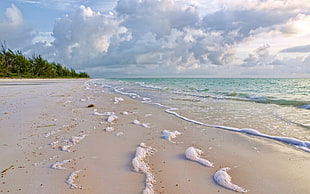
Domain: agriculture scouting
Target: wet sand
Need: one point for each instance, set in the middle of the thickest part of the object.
(48, 132)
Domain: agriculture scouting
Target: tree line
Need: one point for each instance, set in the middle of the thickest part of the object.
(16, 65)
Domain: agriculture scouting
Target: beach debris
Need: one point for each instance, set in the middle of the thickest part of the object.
(3, 172)
(71, 179)
(169, 135)
(59, 165)
(83, 100)
(125, 113)
(112, 118)
(118, 99)
(194, 154)
(222, 178)
(140, 165)
(90, 106)
(109, 129)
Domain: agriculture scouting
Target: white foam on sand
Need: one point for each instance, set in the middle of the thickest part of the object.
(145, 125)
(194, 154)
(118, 99)
(140, 165)
(54, 143)
(222, 178)
(59, 165)
(109, 129)
(119, 134)
(72, 141)
(136, 122)
(66, 147)
(71, 179)
(125, 113)
(169, 135)
(103, 114)
(77, 139)
(112, 118)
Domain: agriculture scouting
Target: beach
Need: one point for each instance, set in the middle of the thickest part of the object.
(75, 136)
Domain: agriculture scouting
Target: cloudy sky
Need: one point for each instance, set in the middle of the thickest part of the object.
(170, 38)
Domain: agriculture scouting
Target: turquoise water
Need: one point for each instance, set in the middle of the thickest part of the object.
(273, 107)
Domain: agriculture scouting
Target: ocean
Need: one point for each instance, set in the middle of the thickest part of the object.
(277, 109)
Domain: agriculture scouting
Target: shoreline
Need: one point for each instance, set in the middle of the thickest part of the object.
(59, 112)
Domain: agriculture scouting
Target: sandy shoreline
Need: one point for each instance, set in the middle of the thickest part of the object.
(48, 122)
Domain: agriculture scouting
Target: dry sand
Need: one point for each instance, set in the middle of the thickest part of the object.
(48, 122)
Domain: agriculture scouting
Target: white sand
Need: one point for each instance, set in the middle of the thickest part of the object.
(39, 118)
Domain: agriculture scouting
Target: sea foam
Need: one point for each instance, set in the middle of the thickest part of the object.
(112, 118)
(71, 179)
(59, 165)
(139, 165)
(194, 154)
(169, 135)
(222, 178)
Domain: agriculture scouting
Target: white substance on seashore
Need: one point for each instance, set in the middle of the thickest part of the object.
(145, 125)
(83, 100)
(125, 113)
(73, 141)
(54, 144)
(112, 118)
(169, 135)
(71, 179)
(77, 139)
(194, 154)
(59, 165)
(119, 134)
(109, 129)
(66, 148)
(222, 178)
(118, 99)
(140, 165)
(136, 122)
(103, 114)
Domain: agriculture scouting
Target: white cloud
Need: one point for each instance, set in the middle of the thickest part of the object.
(174, 37)
(12, 29)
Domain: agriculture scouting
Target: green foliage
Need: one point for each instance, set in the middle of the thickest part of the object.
(15, 64)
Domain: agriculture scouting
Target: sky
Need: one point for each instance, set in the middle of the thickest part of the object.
(163, 38)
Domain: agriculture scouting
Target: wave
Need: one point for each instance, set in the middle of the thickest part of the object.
(303, 145)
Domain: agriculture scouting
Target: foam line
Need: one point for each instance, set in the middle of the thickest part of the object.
(221, 177)
(303, 145)
(139, 165)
